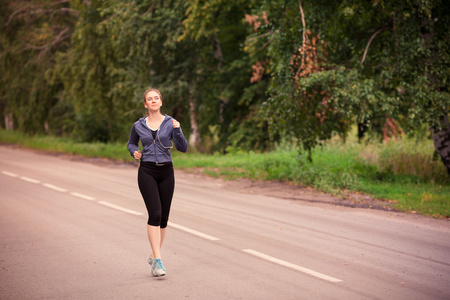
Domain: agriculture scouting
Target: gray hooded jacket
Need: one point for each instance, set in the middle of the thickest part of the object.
(156, 150)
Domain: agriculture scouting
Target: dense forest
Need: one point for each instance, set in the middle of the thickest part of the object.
(240, 74)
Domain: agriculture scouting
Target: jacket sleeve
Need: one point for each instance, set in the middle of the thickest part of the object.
(133, 141)
(179, 140)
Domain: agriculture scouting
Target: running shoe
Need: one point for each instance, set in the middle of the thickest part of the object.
(158, 268)
(150, 260)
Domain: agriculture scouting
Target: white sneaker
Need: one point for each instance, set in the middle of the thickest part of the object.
(158, 268)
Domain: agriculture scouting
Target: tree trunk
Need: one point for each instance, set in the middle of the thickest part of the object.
(9, 122)
(195, 141)
(219, 57)
(217, 51)
(441, 141)
(362, 129)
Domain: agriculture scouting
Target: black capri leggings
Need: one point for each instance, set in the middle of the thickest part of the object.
(156, 184)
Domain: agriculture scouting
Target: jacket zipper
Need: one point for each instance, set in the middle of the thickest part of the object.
(154, 140)
(154, 149)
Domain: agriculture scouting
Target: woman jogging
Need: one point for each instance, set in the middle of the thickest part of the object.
(155, 175)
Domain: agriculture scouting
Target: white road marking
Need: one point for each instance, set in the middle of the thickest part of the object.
(200, 234)
(192, 231)
(82, 196)
(56, 188)
(10, 174)
(110, 205)
(292, 266)
(129, 211)
(53, 187)
(29, 179)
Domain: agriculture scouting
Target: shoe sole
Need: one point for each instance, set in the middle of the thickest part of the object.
(158, 275)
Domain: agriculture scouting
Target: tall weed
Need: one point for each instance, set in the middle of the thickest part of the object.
(411, 158)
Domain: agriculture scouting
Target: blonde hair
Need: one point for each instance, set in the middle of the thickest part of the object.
(152, 90)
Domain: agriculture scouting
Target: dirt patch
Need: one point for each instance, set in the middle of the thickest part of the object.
(287, 190)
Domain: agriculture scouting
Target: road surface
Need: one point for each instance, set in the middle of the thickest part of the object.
(76, 230)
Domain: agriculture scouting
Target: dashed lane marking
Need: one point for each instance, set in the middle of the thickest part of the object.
(292, 266)
(59, 189)
(82, 196)
(200, 234)
(186, 229)
(29, 179)
(10, 174)
(54, 187)
(120, 208)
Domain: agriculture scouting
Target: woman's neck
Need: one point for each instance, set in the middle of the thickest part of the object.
(155, 116)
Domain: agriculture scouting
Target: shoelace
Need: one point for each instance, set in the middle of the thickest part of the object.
(158, 264)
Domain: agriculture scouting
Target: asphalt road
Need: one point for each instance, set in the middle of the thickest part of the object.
(75, 230)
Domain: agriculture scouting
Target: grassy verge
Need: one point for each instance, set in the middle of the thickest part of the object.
(64, 145)
(335, 170)
(403, 171)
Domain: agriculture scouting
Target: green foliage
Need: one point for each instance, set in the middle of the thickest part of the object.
(368, 61)
(120, 49)
(221, 73)
(32, 34)
(248, 72)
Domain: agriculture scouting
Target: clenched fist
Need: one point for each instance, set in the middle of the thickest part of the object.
(137, 154)
(175, 123)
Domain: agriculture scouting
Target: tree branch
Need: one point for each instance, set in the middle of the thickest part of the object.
(31, 10)
(370, 41)
(112, 16)
(304, 40)
(61, 10)
(396, 39)
(60, 2)
(11, 17)
(261, 35)
(150, 9)
(266, 43)
(60, 38)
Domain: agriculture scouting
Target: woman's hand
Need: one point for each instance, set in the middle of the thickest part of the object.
(175, 123)
(137, 154)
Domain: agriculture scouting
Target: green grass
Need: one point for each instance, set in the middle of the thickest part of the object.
(63, 145)
(402, 172)
(423, 198)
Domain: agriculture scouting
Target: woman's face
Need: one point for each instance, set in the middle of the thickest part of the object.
(153, 101)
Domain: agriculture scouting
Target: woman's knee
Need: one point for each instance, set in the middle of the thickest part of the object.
(164, 222)
(158, 221)
(154, 219)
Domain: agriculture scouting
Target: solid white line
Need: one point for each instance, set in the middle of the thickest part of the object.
(208, 237)
(292, 266)
(53, 187)
(82, 196)
(29, 179)
(10, 174)
(129, 211)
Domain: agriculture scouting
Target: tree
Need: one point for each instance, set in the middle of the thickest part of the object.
(352, 61)
(225, 99)
(88, 74)
(32, 34)
(120, 49)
